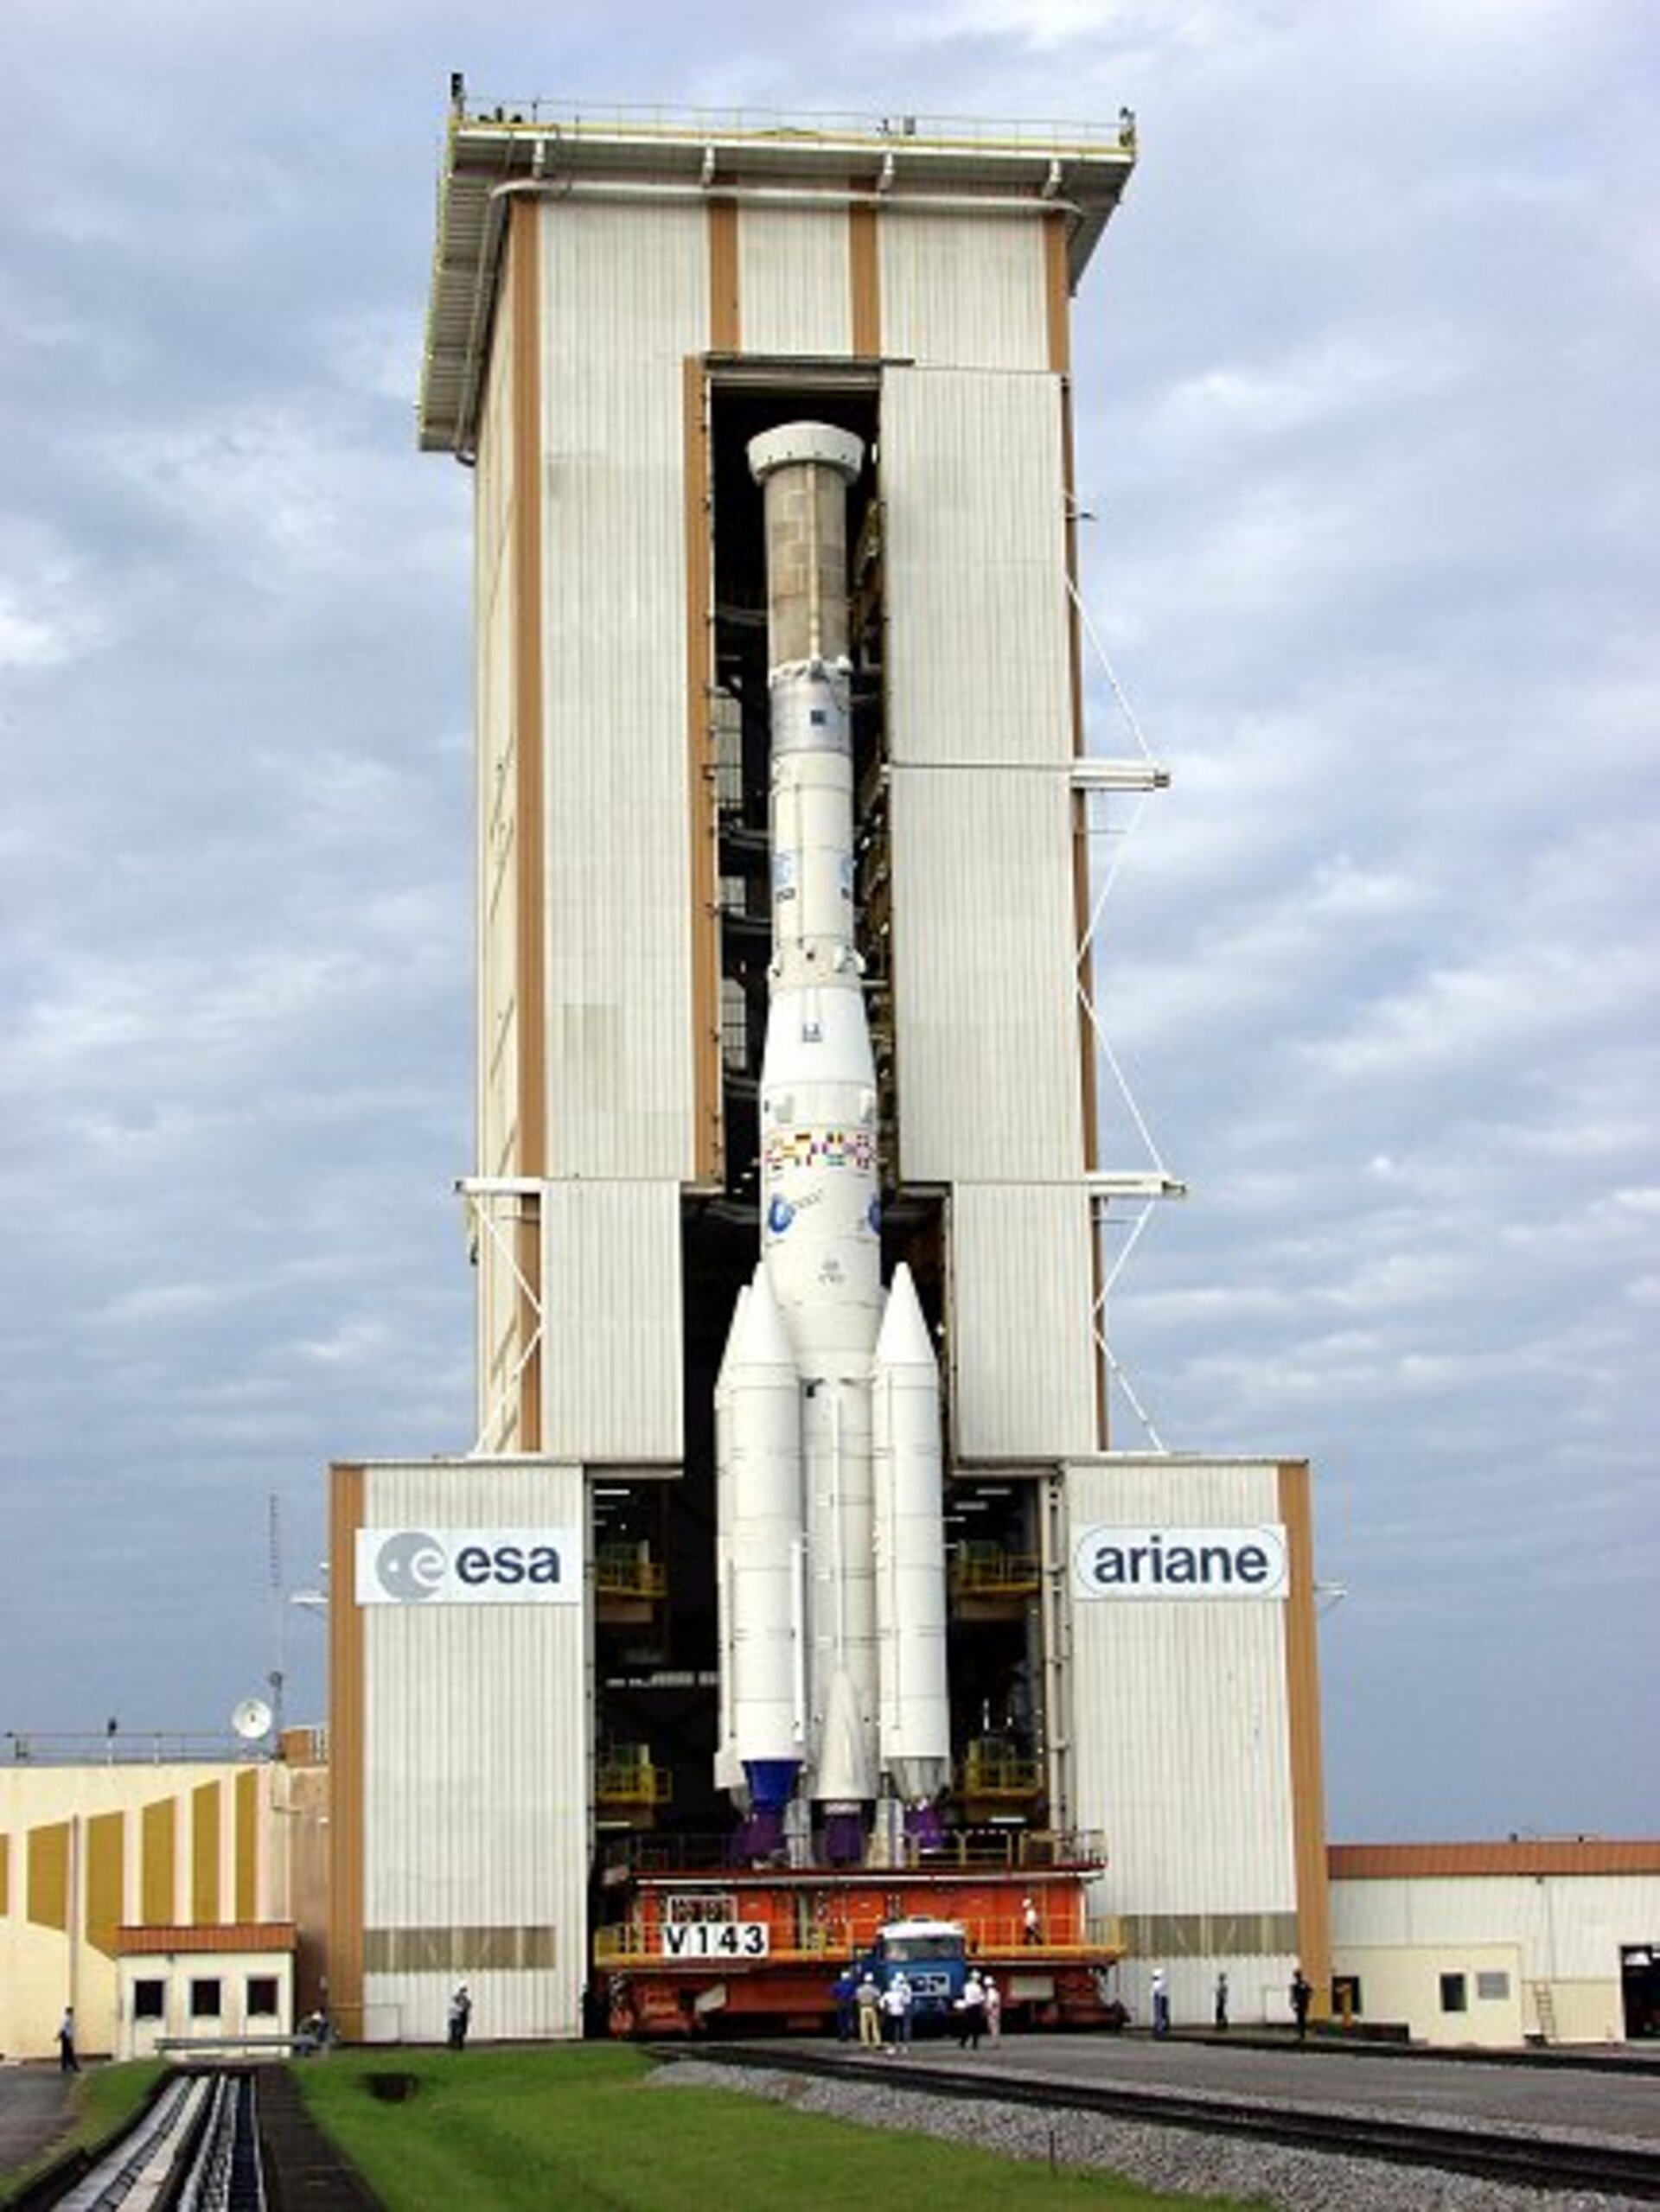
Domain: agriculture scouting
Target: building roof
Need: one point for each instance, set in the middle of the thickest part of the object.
(1515, 1855)
(492, 153)
(202, 1938)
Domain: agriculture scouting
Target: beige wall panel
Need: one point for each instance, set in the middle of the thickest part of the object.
(1567, 1925)
(795, 280)
(1180, 1751)
(611, 1306)
(964, 293)
(623, 303)
(1020, 1355)
(1403, 1988)
(475, 1778)
(984, 995)
(979, 644)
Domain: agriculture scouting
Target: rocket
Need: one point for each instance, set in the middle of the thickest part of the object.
(828, 1482)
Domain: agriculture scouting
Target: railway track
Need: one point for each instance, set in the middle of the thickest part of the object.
(196, 2149)
(1522, 2160)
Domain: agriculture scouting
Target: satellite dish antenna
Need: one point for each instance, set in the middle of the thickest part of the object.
(252, 1719)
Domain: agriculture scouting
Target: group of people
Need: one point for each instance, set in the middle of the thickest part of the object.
(882, 2016)
(1301, 1993)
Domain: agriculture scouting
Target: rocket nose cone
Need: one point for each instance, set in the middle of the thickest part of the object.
(903, 1341)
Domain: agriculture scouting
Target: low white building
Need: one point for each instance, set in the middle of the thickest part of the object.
(1499, 1943)
(194, 1987)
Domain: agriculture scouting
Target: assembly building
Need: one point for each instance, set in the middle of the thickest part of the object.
(647, 338)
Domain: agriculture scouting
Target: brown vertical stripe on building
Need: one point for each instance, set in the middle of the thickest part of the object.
(1058, 297)
(524, 311)
(703, 797)
(204, 1854)
(865, 270)
(106, 1836)
(246, 1846)
(1303, 1714)
(1059, 290)
(48, 1875)
(725, 315)
(344, 1963)
(158, 1839)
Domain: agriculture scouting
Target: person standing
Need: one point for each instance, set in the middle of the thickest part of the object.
(973, 2017)
(870, 2021)
(461, 2014)
(846, 1993)
(993, 2010)
(1302, 1992)
(1222, 2001)
(68, 2060)
(1031, 1929)
(904, 2004)
(1160, 2004)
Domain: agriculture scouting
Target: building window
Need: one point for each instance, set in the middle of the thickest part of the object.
(204, 2000)
(262, 1996)
(1454, 1997)
(1495, 1988)
(150, 2000)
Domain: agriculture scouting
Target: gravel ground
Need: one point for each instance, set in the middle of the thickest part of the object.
(1180, 2160)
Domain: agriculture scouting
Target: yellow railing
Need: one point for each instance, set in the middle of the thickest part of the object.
(627, 1777)
(991, 1770)
(988, 1848)
(625, 1574)
(627, 1942)
(987, 1571)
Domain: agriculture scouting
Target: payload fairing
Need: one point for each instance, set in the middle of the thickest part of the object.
(831, 1547)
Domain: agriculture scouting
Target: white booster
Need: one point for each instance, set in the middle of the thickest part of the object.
(827, 1409)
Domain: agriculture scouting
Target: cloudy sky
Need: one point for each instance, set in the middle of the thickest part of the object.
(1366, 424)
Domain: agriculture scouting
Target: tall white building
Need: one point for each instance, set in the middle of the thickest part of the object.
(528, 1659)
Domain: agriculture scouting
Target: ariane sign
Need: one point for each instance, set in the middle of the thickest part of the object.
(468, 1566)
(1181, 1562)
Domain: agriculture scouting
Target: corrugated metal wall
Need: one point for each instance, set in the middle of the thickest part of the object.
(961, 291)
(1022, 1358)
(979, 636)
(988, 1067)
(1180, 1748)
(1191, 1782)
(495, 816)
(611, 1307)
(794, 280)
(475, 1714)
(1566, 1926)
(985, 1005)
(623, 302)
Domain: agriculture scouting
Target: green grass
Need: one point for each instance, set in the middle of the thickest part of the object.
(106, 2097)
(577, 2127)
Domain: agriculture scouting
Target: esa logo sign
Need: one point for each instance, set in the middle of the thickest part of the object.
(1181, 1562)
(468, 1566)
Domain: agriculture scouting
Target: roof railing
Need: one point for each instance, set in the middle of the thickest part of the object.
(635, 119)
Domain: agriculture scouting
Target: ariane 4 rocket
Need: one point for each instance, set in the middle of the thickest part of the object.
(831, 1543)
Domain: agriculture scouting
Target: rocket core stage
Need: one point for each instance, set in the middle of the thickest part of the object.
(830, 1547)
